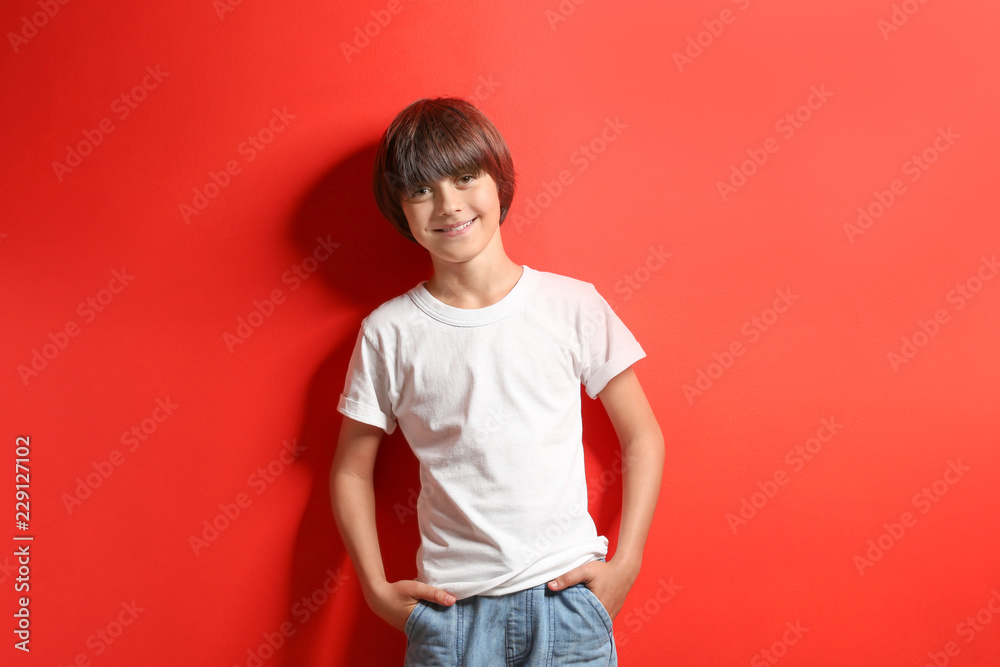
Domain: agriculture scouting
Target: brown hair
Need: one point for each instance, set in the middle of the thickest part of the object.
(432, 139)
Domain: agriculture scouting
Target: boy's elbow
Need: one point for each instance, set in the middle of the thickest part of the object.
(646, 448)
(342, 476)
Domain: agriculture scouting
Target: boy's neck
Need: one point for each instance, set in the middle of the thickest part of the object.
(476, 283)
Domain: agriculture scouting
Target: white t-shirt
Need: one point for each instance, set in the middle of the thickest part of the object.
(489, 401)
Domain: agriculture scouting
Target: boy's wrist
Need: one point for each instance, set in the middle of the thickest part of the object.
(371, 585)
(627, 563)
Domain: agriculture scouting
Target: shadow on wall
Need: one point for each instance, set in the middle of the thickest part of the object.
(372, 264)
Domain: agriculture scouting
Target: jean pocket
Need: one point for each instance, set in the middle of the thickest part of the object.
(430, 636)
(414, 616)
(596, 603)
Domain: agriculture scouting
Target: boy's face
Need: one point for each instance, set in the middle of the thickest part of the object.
(455, 218)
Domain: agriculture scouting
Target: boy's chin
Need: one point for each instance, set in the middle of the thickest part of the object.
(454, 257)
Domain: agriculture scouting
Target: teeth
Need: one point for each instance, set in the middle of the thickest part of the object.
(455, 229)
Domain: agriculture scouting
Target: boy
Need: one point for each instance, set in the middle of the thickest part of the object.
(481, 367)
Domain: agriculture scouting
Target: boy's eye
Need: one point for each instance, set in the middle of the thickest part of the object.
(423, 190)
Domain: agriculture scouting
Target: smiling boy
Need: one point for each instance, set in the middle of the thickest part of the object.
(481, 367)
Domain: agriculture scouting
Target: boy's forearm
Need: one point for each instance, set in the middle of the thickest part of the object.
(353, 501)
(642, 472)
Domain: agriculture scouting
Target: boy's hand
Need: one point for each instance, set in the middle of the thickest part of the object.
(393, 602)
(610, 582)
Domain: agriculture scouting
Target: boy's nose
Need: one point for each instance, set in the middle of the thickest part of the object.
(450, 202)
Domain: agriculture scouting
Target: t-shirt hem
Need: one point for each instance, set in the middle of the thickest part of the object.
(365, 414)
(610, 369)
(543, 578)
(514, 582)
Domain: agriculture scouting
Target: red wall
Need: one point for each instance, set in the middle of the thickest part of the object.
(828, 387)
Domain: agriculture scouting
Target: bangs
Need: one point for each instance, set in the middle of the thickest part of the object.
(435, 146)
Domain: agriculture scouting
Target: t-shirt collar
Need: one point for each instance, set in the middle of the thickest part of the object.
(473, 317)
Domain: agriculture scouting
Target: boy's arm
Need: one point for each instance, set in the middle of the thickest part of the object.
(642, 469)
(353, 496)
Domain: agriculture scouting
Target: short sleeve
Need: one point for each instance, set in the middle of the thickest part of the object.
(366, 396)
(607, 346)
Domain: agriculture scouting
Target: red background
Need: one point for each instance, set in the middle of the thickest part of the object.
(708, 594)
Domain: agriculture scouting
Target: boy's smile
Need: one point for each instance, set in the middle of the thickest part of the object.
(457, 229)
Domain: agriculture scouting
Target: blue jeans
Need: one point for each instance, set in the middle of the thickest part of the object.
(535, 627)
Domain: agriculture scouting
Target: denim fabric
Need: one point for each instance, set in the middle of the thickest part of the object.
(531, 628)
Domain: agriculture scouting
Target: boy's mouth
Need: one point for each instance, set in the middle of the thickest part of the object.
(457, 228)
